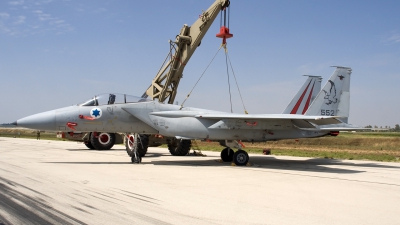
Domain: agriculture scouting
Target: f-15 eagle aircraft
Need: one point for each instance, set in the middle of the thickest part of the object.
(326, 115)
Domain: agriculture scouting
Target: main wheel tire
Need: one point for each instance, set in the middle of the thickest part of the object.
(240, 158)
(179, 147)
(142, 145)
(88, 144)
(172, 145)
(227, 155)
(103, 141)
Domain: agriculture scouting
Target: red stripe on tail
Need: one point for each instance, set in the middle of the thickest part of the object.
(308, 99)
(296, 107)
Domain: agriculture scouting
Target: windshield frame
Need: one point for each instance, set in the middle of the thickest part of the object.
(111, 99)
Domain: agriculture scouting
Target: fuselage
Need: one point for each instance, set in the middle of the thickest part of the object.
(141, 117)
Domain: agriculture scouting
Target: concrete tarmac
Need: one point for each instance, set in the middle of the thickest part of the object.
(55, 182)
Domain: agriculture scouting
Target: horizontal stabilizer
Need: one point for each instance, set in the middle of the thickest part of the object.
(343, 128)
(335, 129)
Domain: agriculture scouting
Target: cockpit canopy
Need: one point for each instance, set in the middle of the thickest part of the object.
(109, 99)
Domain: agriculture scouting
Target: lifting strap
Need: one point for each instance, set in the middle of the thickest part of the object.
(227, 59)
(237, 85)
(200, 78)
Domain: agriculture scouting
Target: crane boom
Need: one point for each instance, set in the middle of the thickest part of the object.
(164, 86)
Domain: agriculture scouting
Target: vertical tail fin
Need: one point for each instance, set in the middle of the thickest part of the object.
(305, 96)
(334, 98)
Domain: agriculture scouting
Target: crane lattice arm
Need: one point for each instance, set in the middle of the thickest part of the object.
(164, 86)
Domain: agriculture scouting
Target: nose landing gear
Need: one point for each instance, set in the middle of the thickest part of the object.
(132, 144)
(136, 158)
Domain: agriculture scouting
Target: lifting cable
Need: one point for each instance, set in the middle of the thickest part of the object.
(200, 78)
(224, 33)
(237, 85)
(227, 73)
(227, 59)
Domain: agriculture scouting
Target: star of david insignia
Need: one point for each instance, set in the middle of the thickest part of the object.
(96, 113)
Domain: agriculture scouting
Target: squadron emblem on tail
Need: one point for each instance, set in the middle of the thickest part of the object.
(331, 96)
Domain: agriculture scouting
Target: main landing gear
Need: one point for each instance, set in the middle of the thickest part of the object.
(240, 157)
(100, 141)
(179, 147)
(227, 154)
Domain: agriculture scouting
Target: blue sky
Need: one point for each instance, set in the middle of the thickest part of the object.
(59, 53)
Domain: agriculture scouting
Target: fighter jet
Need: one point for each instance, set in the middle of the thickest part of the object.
(327, 115)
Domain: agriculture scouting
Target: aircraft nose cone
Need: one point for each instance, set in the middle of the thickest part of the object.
(14, 123)
(40, 121)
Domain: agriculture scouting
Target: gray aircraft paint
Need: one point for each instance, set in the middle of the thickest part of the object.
(151, 117)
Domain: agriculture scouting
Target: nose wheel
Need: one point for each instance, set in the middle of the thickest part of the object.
(136, 158)
(133, 148)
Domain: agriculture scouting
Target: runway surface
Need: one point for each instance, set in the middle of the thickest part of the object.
(56, 182)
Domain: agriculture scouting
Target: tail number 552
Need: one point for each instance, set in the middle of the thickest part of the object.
(327, 112)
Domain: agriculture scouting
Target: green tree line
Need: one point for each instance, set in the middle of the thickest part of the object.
(396, 127)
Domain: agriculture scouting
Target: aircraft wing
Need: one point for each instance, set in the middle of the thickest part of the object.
(295, 118)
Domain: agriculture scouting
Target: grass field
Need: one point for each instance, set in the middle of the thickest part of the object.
(384, 146)
(26, 133)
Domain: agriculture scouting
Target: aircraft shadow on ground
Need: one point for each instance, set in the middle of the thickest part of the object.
(94, 150)
(94, 163)
(264, 163)
(260, 162)
(270, 162)
(148, 155)
(257, 162)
